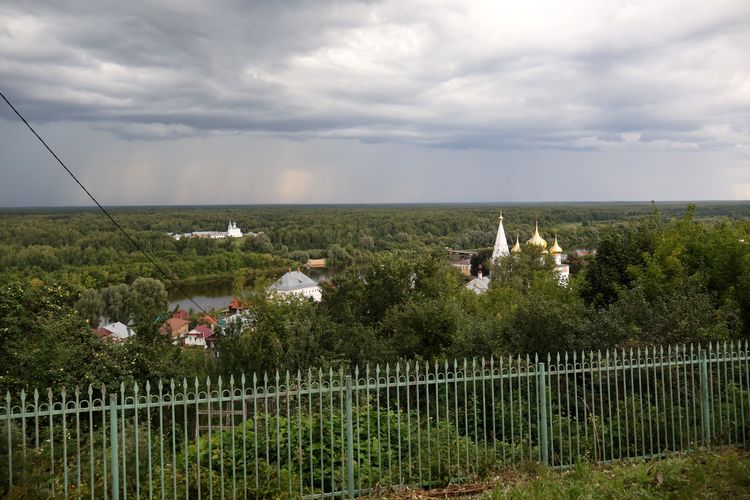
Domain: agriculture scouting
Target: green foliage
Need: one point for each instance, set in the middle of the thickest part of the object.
(148, 299)
(380, 460)
(617, 252)
(91, 306)
(45, 343)
(547, 318)
(700, 475)
(260, 243)
(117, 303)
(421, 327)
(392, 295)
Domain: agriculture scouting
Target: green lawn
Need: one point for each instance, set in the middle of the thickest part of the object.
(700, 475)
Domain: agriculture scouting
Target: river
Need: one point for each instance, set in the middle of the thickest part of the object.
(216, 295)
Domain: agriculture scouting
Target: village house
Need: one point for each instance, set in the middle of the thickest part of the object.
(198, 337)
(175, 327)
(116, 332)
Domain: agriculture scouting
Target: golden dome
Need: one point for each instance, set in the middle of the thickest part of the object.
(517, 247)
(555, 247)
(537, 240)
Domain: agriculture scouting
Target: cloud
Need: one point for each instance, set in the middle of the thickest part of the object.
(486, 75)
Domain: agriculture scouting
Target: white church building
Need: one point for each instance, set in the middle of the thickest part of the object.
(480, 284)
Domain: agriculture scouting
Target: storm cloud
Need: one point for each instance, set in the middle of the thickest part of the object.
(480, 83)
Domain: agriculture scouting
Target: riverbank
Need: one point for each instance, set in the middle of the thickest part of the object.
(216, 291)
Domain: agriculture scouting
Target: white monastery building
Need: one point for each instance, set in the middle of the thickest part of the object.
(296, 283)
(232, 232)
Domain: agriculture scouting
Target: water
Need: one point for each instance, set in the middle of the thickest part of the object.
(217, 295)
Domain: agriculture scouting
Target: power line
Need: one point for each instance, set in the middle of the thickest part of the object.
(104, 210)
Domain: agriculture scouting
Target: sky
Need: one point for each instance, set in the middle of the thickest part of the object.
(234, 102)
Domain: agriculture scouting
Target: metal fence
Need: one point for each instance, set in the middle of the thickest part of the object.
(321, 434)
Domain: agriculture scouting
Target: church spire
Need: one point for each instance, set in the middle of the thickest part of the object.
(517, 247)
(501, 243)
(536, 240)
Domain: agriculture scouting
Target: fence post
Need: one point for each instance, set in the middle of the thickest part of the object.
(706, 415)
(541, 385)
(113, 451)
(349, 438)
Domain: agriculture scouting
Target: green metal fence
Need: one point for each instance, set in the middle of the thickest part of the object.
(323, 434)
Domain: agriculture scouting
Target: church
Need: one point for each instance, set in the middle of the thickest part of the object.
(480, 284)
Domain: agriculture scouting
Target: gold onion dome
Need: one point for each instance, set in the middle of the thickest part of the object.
(517, 247)
(555, 247)
(537, 240)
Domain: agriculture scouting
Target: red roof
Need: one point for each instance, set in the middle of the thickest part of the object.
(180, 314)
(101, 332)
(174, 325)
(204, 330)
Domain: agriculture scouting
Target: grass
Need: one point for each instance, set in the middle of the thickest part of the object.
(723, 474)
(700, 475)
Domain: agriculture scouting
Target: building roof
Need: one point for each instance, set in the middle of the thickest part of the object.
(479, 285)
(175, 324)
(501, 243)
(315, 263)
(536, 240)
(205, 330)
(555, 247)
(101, 332)
(517, 247)
(293, 280)
(118, 330)
(180, 313)
(201, 331)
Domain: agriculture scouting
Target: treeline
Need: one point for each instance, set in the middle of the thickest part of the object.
(651, 282)
(81, 246)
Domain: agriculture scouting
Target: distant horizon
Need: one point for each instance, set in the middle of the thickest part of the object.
(385, 204)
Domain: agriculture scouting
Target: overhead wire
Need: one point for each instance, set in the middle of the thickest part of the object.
(138, 247)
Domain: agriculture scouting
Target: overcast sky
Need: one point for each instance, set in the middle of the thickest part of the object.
(194, 102)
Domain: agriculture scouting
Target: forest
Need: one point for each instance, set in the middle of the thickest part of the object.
(662, 274)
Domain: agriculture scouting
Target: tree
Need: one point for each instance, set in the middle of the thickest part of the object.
(117, 302)
(90, 306)
(422, 327)
(259, 243)
(367, 242)
(148, 300)
(338, 257)
(618, 251)
(365, 293)
(285, 334)
(672, 315)
(44, 342)
(548, 318)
